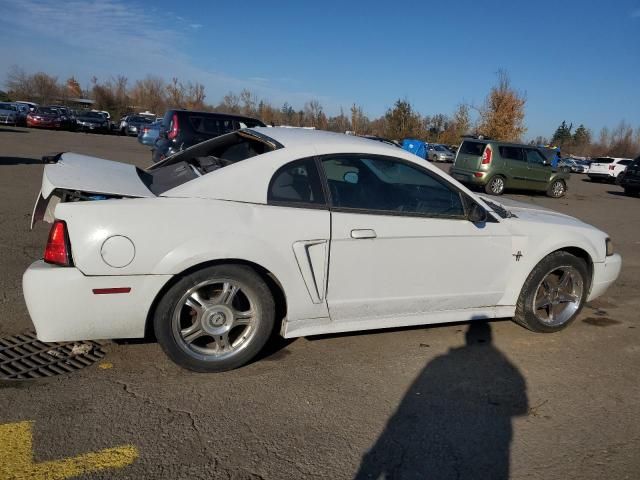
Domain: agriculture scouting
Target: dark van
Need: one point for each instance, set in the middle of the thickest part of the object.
(183, 128)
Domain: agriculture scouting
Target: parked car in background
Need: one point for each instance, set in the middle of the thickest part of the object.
(30, 105)
(8, 113)
(496, 166)
(92, 121)
(131, 124)
(630, 178)
(205, 249)
(184, 128)
(148, 134)
(607, 169)
(67, 117)
(574, 166)
(45, 117)
(439, 153)
(23, 111)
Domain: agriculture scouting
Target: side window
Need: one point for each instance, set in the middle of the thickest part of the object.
(534, 156)
(386, 185)
(624, 162)
(512, 153)
(296, 183)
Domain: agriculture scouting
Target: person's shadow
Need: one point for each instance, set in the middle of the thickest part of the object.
(455, 420)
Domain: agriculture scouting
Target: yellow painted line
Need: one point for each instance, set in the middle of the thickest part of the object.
(16, 457)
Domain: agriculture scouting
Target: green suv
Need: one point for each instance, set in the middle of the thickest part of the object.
(495, 166)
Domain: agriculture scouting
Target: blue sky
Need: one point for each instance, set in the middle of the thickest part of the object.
(575, 60)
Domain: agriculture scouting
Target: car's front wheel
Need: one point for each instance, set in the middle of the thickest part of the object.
(554, 293)
(215, 319)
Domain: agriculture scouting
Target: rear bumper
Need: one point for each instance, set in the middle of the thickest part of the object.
(468, 177)
(63, 306)
(604, 274)
(600, 176)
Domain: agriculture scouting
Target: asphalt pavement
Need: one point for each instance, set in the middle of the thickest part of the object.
(482, 401)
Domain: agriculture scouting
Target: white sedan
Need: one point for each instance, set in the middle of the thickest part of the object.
(303, 231)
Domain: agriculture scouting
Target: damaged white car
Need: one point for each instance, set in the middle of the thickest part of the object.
(302, 231)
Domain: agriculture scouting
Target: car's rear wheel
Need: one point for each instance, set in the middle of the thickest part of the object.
(215, 319)
(557, 189)
(495, 186)
(554, 293)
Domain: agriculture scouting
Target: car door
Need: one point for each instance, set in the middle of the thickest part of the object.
(401, 244)
(538, 171)
(296, 188)
(515, 165)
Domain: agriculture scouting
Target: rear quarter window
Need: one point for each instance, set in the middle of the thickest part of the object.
(211, 125)
(472, 148)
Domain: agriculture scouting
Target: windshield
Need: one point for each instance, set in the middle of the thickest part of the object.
(440, 148)
(47, 110)
(205, 158)
(140, 119)
(97, 115)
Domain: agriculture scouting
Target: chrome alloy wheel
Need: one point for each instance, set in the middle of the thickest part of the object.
(497, 185)
(558, 296)
(214, 319)
(557, 189)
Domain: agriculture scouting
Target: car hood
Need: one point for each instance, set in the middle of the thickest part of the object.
(531, 213)
(73, 173)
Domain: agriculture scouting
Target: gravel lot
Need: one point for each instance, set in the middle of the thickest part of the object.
(493, 401)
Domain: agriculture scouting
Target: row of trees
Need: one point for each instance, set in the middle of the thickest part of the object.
(622, 141)
(500, 116)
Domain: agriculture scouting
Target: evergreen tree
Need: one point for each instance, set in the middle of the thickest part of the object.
(562, 136)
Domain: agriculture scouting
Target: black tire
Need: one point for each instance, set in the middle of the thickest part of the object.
(495, 185)
(557, 189)
(525, 314)
(182, 352)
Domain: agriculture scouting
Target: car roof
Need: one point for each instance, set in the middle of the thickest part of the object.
(247, 181)
(300, 137)
(200, 112)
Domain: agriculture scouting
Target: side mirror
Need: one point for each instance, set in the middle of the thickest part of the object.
(546, 163)
(477, 214)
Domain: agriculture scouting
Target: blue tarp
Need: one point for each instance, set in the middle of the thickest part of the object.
(417, 147)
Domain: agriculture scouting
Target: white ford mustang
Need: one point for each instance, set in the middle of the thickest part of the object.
(305, 231)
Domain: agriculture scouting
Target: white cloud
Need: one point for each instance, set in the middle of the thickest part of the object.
(112, 37)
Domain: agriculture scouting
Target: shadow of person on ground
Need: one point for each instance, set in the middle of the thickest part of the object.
(19, 161)
(455, 419)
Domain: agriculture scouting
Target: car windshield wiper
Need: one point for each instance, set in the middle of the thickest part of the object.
(500, 210)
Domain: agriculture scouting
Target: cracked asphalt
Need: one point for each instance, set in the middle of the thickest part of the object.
(454, 401)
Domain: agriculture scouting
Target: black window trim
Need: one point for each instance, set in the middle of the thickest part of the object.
(464, 198)
(324, 205)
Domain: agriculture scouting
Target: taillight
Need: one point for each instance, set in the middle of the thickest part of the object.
(58, 250)
(486, 156)
(612, 167)
(173, 133)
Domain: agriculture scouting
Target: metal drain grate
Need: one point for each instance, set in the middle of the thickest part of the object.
(24, 356)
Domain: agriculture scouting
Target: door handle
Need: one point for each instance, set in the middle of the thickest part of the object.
(363, 233)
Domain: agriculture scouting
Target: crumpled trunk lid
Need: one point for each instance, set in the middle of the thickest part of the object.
(76, 177)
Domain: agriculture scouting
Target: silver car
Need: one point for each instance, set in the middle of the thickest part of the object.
(8, 113)
(439, 153)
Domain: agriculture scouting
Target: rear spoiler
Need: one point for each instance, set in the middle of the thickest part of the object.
(54, 158)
